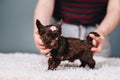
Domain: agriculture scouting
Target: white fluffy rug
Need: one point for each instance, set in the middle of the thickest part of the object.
(19, 66)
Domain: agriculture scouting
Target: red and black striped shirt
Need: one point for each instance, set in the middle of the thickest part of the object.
(85, 12)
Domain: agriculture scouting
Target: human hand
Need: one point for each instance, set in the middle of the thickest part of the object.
(39, 44)
(97, 42)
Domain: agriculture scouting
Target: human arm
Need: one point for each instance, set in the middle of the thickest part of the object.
(109, 23)
(43, 12)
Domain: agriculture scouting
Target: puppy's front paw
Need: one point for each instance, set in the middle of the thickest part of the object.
(51, 68)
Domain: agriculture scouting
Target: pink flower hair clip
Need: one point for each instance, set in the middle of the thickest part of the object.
(53, 28)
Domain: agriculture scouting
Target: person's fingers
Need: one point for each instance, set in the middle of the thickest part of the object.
(39, 43)
(45, 51)
(37, 39)
(35, 30)
(97, 49)
(95, 39)
(94, 42)
(97, 42)
(41, 47)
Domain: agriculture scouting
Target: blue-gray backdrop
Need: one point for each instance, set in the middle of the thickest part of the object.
(16, 28)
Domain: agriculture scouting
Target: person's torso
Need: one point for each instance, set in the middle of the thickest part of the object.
(85, 12)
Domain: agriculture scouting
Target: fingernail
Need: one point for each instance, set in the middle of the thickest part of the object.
(91, 35)
(92, 49)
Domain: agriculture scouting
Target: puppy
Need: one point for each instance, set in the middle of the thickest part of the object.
(65, 48)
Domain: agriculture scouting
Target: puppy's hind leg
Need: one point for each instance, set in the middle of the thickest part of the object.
(88, 57)
(91, 63)
(83, 63)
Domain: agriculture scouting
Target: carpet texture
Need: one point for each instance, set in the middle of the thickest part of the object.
(25, 66)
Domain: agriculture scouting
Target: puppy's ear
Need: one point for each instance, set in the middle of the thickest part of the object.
(60, 23)
(38, 24)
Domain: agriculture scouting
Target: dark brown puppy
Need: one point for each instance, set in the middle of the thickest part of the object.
(64, 48)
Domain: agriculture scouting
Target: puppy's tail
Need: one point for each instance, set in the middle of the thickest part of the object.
(89, 39)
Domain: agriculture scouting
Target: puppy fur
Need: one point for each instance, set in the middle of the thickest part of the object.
(65, 48)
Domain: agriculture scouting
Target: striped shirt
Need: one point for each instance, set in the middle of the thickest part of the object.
(84, 12)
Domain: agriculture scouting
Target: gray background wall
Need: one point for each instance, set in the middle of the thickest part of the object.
(16, 28)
